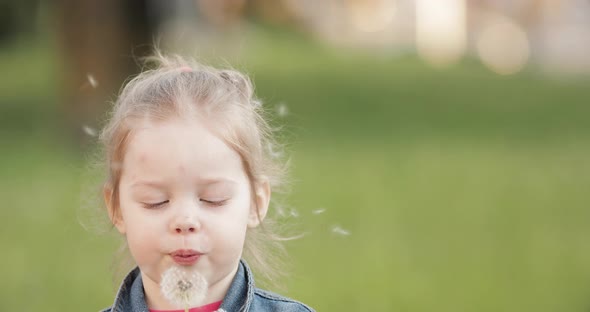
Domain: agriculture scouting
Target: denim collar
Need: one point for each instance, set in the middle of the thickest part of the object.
(131, 297)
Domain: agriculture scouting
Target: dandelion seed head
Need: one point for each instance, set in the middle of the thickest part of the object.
(92, 81)
(183, 288)
(336, 229)
(282, 109)
(89, 131)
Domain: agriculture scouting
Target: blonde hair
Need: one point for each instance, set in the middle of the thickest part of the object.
(179, 87)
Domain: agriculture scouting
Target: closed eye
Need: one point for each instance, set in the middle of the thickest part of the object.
(155, 205)
(215, 203)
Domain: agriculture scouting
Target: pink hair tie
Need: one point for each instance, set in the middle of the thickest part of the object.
(186, 69)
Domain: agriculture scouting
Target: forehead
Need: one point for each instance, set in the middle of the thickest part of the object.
(180, 148)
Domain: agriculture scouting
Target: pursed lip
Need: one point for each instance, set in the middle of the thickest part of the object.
(185, 256)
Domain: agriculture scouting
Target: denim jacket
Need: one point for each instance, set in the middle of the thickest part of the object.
(242, 296)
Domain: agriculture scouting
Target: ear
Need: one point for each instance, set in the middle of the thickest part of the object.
(260, 203)
(114, 214)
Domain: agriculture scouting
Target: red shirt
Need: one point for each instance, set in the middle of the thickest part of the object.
(212, 307)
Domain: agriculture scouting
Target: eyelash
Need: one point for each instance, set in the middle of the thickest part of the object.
(156, 205)
(209, 202)
(215, 203)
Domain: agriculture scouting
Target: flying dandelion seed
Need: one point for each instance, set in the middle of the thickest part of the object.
(183, 288)
(336, 229)
(89, 131)
(295, 237)
(318, 211)
(293, 213)
(281, 211)
(282, 109)
(92, 81)
(256, 103)
(272, 152)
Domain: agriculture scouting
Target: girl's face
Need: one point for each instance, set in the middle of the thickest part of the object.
(186, 200)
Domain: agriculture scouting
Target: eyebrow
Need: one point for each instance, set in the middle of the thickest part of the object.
(203, 182)
(146, 183)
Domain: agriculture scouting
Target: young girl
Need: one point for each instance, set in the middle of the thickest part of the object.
(189, 184)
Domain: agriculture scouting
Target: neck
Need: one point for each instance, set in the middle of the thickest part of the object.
(156, 301)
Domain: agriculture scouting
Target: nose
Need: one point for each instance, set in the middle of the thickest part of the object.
(185, 225)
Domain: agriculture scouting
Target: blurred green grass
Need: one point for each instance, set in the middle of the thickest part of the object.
(462, 190)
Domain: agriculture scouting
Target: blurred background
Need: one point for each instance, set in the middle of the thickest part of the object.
(440, 147)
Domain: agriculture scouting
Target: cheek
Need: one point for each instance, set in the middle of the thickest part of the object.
(228, 246)
(141, 234)
(235, 219)
(230, 227)
(143, 245)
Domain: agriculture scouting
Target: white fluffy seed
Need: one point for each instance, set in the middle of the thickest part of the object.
(89, 131)
(336, 229)
(318, 211)
(282, 109)
(92, 81)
